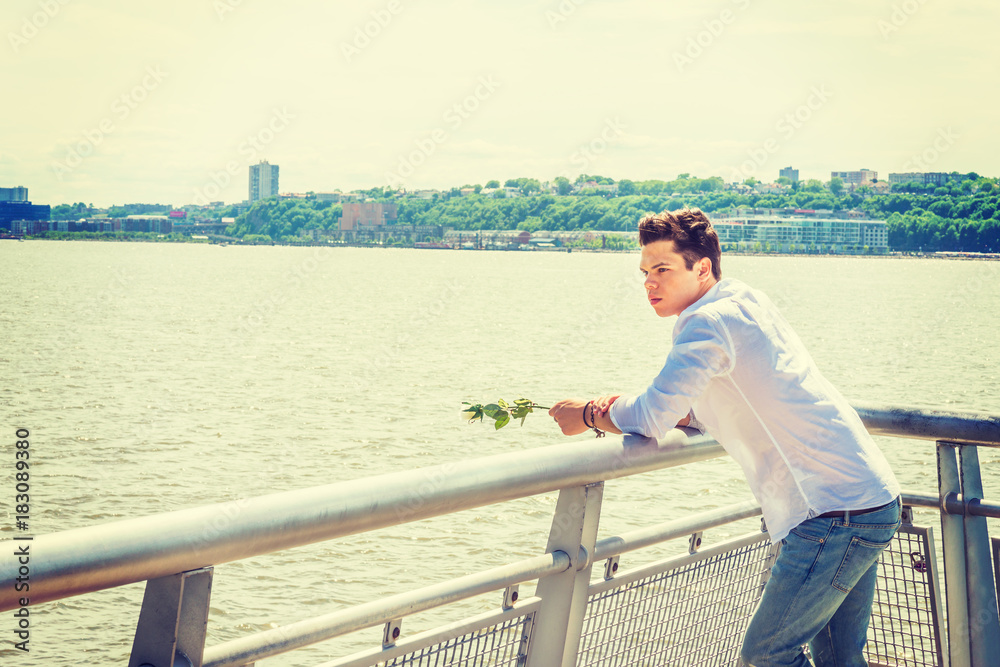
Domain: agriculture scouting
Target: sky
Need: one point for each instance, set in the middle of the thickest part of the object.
(112, 102)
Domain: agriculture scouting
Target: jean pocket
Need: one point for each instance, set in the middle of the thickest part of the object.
(861, 555)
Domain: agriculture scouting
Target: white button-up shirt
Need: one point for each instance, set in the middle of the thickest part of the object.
(737, 364)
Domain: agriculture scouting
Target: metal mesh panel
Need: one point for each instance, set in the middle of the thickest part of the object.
(692, 613)
(500, 644)
(905, 628)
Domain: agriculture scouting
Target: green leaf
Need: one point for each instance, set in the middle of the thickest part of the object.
(502, 403)
(492, 410)
(502, 421)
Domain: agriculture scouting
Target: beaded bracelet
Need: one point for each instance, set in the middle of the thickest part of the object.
(593, 419)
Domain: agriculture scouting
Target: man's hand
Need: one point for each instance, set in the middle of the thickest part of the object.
(569, 415)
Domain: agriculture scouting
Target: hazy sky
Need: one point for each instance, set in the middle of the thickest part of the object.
(112, 102)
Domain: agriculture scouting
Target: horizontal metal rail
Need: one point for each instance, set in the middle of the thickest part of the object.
(439, 635)
(953, 504)
(645, 537)
(971, 428)
(246, 650)
(124, 552)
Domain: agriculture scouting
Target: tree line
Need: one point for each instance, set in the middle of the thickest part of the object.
(916, 221)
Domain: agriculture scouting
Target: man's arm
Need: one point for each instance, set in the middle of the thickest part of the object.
(569, 415)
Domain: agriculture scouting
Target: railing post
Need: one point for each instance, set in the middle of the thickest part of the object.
(953, 541)
(984, 620)
(973, 622)
(555, 633)
(173, 621)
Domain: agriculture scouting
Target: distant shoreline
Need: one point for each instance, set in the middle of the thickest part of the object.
(728, 253)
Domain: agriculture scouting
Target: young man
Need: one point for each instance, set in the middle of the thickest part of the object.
(826, 491)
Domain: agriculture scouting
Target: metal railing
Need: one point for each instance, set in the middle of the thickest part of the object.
(569, 620)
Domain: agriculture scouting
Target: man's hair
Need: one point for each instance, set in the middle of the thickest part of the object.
(692, 234)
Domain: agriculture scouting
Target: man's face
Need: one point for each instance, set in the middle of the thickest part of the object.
(670, 285)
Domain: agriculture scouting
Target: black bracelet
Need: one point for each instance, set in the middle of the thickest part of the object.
(593, 420)
(585, 414)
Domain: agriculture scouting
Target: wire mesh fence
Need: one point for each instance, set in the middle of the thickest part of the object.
(693, 610)
(905, 629)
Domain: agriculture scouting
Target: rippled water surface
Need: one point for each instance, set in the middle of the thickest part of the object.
(155, 377)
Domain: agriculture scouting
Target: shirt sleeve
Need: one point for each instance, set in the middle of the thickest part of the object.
(702, 350)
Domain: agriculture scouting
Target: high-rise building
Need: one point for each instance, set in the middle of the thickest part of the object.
(263, 181)
(20, 193)
(790, 174)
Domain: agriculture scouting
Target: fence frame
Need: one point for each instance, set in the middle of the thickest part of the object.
(176, 559)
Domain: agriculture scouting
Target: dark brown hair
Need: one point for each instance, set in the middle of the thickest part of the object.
(692, 234)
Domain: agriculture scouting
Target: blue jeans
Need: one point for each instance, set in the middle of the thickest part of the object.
(820, 592)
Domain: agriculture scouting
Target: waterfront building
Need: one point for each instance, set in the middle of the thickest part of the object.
(802, 233)
(22, 210)
(160, 224)
(263, 181)
(20, 193)
(366, 216)
(854, 179)
(790, 174)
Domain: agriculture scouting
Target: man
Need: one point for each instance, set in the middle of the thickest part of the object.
(826, 491)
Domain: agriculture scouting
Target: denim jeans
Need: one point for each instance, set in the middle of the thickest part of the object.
(820, 592)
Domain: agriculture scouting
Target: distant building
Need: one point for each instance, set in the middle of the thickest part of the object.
(22, 210)
(854, 179)
(367, 216)
(160, 224)
(263, 181)
(781, 232)
(790, 174)
(923, 178)
(20, 193)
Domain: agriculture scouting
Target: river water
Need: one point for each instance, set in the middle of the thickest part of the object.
(156, 377)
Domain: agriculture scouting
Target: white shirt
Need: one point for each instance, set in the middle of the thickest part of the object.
(737, 364)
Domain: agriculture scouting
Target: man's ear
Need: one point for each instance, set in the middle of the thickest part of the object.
(704, 267)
